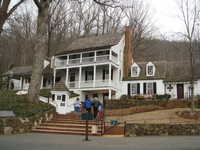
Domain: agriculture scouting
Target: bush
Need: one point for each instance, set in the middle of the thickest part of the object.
(20, 105)
(163, 97)
(124, 97)
(45, 93)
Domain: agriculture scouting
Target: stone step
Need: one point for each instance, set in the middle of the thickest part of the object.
(63, 132)
(64, 128)
(67, 125)
(73, 122)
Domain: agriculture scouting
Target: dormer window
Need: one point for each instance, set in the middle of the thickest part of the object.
(135, 70)
(150, 69)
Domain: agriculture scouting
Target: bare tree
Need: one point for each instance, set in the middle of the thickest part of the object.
(189, 15)
(40, 48)
(6, 11)
(139, 17)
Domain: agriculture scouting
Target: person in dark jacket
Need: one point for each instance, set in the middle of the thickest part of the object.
(96, 104)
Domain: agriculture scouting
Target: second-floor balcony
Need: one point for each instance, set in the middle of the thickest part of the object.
(80, 59)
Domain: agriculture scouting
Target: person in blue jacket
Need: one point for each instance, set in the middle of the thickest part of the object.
(88, 104)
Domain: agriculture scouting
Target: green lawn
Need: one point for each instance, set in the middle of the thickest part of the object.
(20, 105)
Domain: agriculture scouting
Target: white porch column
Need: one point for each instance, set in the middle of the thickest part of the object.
(110, 94)
(109, 79)
(67, 59)
(41, 85)
(54, 76)
(21, 82)
(94, 79)
(67, 76)
(118, 75)
(110, 54)
(80, 74)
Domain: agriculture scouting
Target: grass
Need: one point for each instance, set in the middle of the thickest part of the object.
(20, 105)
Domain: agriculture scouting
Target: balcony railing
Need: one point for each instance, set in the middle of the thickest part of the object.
(85, 60)
(92, 84)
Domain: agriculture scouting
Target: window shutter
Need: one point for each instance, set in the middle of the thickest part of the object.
(104, 72)
(129, 89)
(144, 86)
(86, 75)
(138, 88)
(111, 74)
(154, 88)
(53, 97)
(63, 98)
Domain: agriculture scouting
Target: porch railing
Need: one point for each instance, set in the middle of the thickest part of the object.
(91, 83)
(85, 60)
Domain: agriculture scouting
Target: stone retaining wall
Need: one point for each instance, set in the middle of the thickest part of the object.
(120, 104)
(162, 130)
(14, 125)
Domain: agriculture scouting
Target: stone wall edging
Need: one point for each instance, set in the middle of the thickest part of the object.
(16, 125)
(162, 130)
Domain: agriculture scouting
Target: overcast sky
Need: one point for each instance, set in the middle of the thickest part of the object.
(165, 14)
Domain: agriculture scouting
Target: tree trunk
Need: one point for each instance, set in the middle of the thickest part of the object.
(40, 50)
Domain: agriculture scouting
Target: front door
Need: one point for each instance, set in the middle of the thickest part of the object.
(180, 91)
(61, 104)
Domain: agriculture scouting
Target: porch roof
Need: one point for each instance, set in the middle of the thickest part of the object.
(25, 70)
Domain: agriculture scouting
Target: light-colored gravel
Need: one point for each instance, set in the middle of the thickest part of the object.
(160, 116)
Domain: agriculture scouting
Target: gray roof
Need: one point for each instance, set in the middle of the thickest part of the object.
(169, 71)
(92, 42)
(25, 70)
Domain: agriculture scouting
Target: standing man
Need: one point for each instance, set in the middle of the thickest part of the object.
(77, 105)
(96, 104)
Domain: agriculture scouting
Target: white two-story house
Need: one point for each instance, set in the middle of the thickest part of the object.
(93, 65)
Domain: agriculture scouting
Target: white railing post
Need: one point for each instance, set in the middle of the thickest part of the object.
(94, 79)
(80, 74)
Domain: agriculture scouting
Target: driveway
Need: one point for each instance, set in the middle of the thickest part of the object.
(69, 142)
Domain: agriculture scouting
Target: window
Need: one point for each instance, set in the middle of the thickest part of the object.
(59, 97)
(135, 70)
(150, 69)
(150, 88)
(133, 89)
(89, 75)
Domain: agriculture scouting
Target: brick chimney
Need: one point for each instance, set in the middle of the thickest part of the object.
(128, 51)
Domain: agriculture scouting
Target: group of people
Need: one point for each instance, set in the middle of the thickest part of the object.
(91, 106)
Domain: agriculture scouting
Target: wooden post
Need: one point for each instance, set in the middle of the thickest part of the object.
(86, 130)
(124, 128)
